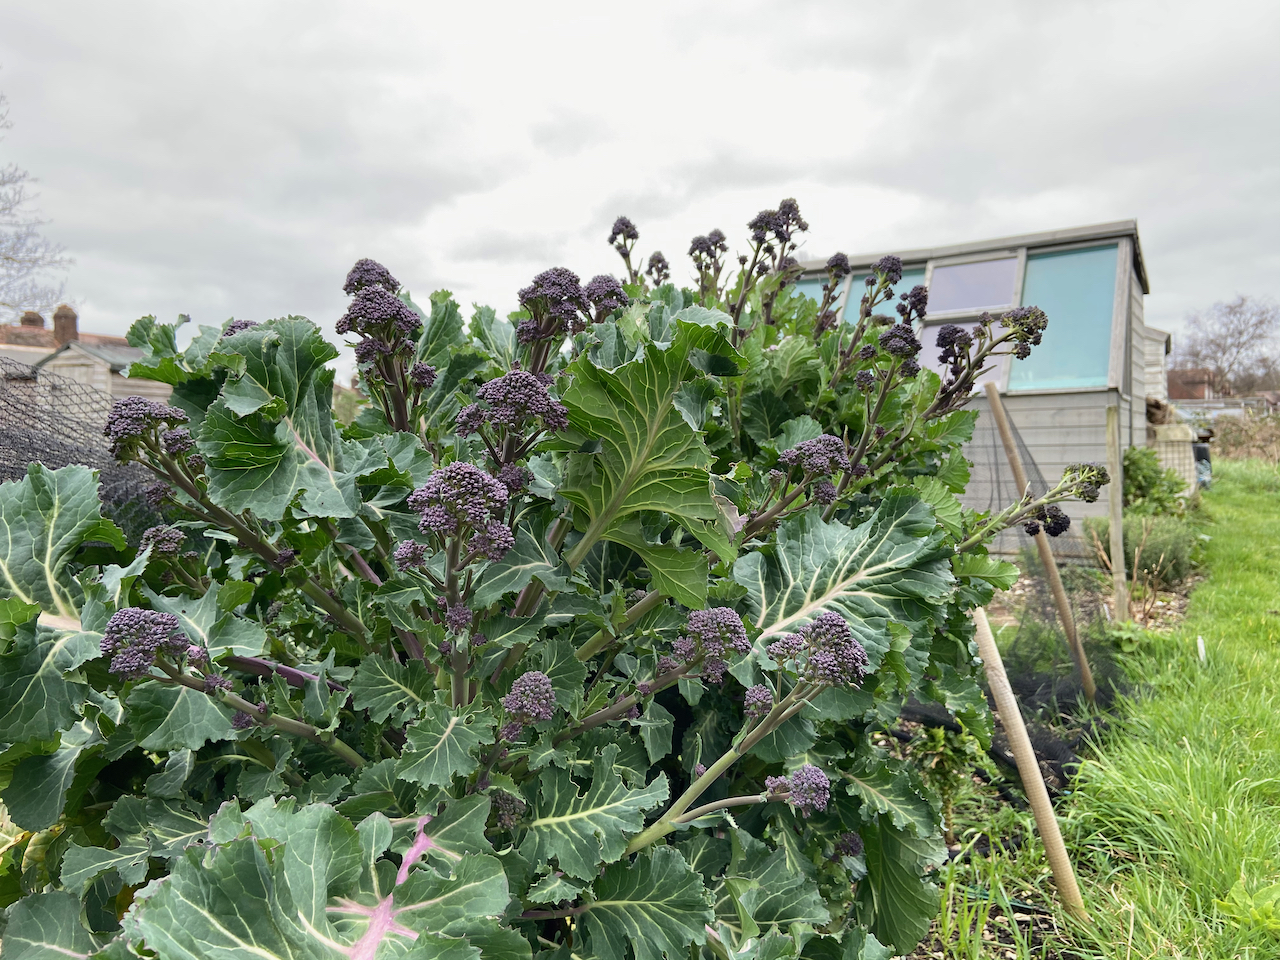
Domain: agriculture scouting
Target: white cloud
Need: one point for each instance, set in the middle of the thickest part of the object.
(236, 158)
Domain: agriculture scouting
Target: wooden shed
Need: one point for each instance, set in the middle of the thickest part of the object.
(1090, 281)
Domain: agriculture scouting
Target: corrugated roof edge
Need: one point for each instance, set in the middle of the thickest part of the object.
(1096, 231)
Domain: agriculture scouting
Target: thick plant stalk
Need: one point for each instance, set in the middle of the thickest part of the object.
(1029, 769)
(1115, 500)
(1042, 544)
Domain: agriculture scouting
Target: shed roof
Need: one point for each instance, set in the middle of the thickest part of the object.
(1097, 231)
(117, 357)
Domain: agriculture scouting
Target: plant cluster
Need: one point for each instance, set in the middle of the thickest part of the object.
(574, 643)
(1150, 489)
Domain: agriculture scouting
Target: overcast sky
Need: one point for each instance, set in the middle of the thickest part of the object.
(234, 158)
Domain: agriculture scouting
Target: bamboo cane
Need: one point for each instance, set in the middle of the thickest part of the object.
(1042, 544)
(1028, 769)
(1115, 501)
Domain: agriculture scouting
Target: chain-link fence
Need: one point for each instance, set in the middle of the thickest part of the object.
(57, 421)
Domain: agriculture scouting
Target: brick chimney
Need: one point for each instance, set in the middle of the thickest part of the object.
(64, 325)
(32, 319)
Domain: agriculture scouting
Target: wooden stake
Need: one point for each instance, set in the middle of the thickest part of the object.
(1115, 500)
(1028, 769)
(1047, 559)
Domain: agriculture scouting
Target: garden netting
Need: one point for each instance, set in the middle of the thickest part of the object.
(1028, 628)
(57, 421)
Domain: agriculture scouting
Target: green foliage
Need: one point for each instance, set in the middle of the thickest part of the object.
(1170, 546)
(439, 682)
(1150, 489)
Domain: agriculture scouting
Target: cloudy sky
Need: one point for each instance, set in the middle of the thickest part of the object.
(235, 158)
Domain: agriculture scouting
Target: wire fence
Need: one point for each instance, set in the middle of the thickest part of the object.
(57, 421)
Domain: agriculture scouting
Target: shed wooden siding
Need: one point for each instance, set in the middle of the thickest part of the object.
(1061, 429)
(1139, 387)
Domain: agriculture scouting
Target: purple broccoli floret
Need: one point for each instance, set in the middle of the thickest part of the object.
(532, 699)
(758, 701)
(462, 497)
(238, 326)
(134, 637)
(820, 457)
(658, 270)
(514, 401)
(133, 421)
(164, 541)
(810, 789)
(369, 273)
(556, 294)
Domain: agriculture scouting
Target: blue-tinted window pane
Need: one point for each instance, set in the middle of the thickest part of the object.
(985, 285)
(1076, 289)
(910, 278)
(811, 287)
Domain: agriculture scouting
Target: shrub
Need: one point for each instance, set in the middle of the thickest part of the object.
(1169, 552)
(1149, 488)
(572, 642)
(1248, 437)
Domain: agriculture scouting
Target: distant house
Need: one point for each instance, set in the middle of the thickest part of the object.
(1194, 384)
(96, 360)
(1097, 351)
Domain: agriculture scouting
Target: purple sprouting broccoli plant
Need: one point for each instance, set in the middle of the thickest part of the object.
(559, 568)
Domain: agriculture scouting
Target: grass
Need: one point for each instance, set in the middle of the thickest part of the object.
(1180, 803)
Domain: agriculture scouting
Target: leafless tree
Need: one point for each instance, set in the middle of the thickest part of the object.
(1236, 342)
(29, 261)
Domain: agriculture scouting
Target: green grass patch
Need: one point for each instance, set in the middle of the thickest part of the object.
(1181, 802)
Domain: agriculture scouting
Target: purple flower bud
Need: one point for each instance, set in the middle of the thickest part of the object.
(849, 844)
(214, 683)
(132, 420)
(824, 492)
(197, 656)
(532, 698)
(508, 809)
(605, 294)
(758, 701)
(164, 541)
(658, 270)
(776, 785)
(369, 273)
(493, 541)
(556, 294)
(819, 457)
(134, 637)
(623, 229)
(889, 267)
(810, 789)
(457, 619)
(241, 720)
(699, 769)
(238, 326)
(422, 375)
(409, 554)
(456, 496)
(177, 441)
(838, 266)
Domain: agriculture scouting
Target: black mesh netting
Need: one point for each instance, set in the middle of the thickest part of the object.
(57, 421)
(1025, 619)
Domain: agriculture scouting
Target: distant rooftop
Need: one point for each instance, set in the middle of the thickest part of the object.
(31, 331)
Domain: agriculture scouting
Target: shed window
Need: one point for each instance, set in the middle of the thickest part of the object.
(1076, 289)
(811, 287)
(984, 285)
